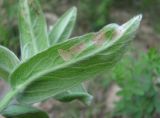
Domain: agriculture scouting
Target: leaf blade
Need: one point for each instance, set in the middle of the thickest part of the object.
(63, 72)
(32, 28)
(63, 27)
(8, 61)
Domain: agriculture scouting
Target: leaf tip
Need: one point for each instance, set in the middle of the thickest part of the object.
(138, 17)
(73, 10)
(135, 21)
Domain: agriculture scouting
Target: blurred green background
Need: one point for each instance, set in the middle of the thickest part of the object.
(131, 88)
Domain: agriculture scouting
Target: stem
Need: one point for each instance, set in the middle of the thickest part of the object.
(7, 99)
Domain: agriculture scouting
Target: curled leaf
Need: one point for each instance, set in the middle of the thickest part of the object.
(8, 61)
(47, 74)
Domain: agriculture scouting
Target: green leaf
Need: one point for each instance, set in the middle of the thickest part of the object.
(63, 27)
(19, 111)
(8, 61)
(69, 63)
(32, 28)
(77, 92)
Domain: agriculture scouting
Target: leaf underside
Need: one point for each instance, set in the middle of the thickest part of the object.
(67, 64)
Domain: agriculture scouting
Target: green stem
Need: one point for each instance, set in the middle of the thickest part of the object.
(7, 99)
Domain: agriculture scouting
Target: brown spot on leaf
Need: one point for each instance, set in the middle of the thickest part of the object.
(77, 48)
(118, 32)
(99, 39)
(66, 55)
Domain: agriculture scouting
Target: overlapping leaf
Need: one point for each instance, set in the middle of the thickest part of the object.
(32, 28)
(77, 92)
(69, 63)
(8, 61)
(62, 29)
(19, 111)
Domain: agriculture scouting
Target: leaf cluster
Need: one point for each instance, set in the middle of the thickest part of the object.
(54, 65)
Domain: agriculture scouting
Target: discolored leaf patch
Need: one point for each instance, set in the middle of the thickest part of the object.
(71, 52)
(66, 55)
(99, 39)
(77, 48)
(118, 32)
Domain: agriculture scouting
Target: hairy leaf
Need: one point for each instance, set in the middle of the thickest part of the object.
(32, 27)
(8, 61)
(19, 111)
(77, 92)
(63, 27)
(69, 63)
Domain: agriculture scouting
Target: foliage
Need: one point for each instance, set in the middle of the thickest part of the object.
(52, 66)
(138, 77)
